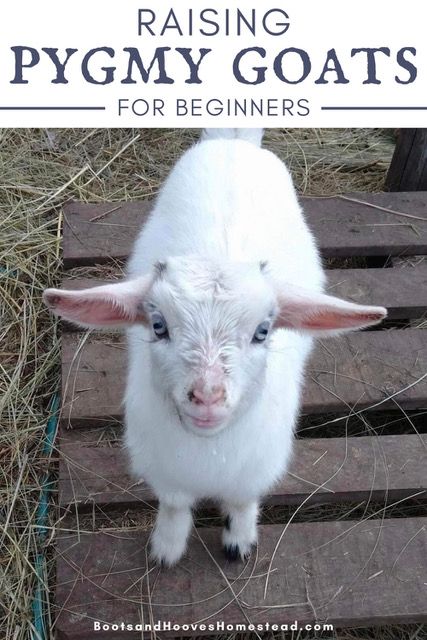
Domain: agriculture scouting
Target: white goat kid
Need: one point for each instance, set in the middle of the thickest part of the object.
(223, 297)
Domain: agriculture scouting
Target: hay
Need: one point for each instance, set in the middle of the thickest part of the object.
(40, 170)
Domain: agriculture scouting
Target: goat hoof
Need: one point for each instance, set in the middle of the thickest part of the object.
(232, 553)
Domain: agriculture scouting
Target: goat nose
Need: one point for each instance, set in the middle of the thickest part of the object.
(214, 396)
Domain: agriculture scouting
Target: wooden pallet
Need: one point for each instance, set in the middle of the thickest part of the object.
(362, 571)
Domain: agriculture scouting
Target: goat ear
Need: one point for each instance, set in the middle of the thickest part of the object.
(321, 314)
(110, 305)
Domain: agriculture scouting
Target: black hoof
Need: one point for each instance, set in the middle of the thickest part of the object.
(232, 552)
(159, 562)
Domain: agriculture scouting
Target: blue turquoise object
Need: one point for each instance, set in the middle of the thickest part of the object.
(38, 606)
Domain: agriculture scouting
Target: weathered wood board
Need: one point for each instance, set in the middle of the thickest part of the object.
(355, 370)
(97, 233)
(348, 572)
(408, 168)
(402, 291)
(327, 469)
(321, 571)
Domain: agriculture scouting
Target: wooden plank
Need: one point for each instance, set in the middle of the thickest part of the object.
(408, 168)
(356, 370)
(100, 232)
(347, 228)
(330, 470)
(402, 291)
(347, 573)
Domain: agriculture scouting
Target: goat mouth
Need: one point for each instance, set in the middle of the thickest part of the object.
(201, 424)
(205, 423)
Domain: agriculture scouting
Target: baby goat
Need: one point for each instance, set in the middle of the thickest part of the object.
(223, 298)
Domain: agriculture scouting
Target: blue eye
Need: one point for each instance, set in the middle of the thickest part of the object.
(261, 332)
(159, 325)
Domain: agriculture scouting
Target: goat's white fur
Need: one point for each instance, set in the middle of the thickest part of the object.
(227, 206)
(227, 200)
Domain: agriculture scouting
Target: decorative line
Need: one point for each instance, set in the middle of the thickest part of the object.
(52, 108)
(374, 108)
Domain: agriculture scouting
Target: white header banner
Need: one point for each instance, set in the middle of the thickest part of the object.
(278, 63)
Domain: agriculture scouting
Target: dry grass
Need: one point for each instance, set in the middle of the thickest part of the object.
(39, 171)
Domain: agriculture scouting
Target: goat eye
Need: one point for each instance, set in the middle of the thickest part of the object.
(261, 332)
(159, 325)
